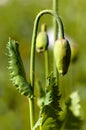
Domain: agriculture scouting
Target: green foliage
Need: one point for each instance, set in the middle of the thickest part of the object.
(49, 111)
(41, 94)
(52, 93)
(16, 69)
(52, 116)
(51, 108)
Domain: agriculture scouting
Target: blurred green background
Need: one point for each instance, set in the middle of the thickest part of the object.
(16, 21)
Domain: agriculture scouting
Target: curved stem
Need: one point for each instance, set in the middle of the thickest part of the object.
(32, 60)
(61, 35)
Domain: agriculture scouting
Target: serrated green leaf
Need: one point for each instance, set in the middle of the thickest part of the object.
(52, 94)
(49, 111)
(41, 94)
(16, 69)
(52, 117)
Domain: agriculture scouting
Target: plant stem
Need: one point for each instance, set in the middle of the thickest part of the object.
(46, 65)
(32, 59)
(55, 5)
(55, 9)
(31, 104)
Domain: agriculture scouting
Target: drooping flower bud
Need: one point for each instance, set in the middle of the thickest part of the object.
(42, 40)
(62, 55)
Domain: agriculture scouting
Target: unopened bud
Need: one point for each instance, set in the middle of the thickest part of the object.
(62, 55)
(42, 40)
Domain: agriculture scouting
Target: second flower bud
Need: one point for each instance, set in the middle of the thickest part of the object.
(42, 40)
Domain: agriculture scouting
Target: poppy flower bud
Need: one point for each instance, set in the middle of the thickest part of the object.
(42, 40)
(62, 55)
